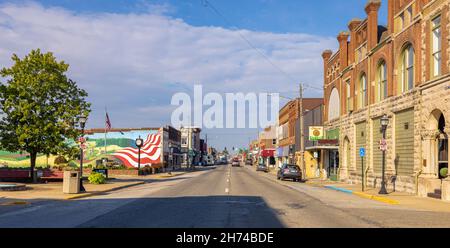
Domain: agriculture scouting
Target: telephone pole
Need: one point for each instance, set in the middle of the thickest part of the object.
(302, 131)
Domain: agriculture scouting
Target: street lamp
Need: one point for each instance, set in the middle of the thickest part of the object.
(139, 143)
(82, 120)
(384, 121)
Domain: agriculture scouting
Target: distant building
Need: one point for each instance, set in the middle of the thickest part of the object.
(190, 145)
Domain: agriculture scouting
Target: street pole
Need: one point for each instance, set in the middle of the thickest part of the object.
(139, 159)
(82, 189)
(302, 133)
(362, 173)
(383, 190)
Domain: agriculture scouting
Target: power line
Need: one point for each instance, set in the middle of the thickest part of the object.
(207, 4)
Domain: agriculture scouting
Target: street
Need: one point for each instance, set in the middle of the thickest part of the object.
(229, 197)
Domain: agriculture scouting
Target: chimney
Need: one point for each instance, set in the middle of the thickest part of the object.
(343, 48)
(391, 22)
(372, 8)
(326, 55)
(353, 24)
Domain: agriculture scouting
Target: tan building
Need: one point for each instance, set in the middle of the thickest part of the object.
(401, 70)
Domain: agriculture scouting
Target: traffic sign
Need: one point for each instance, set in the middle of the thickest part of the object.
(362, 152)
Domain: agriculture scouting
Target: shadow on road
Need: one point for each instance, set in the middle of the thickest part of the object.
(167, 212)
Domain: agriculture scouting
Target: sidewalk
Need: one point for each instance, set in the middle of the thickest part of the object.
(394, 198)
(53, 191)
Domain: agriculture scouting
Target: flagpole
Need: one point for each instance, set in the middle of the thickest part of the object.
(106, 130)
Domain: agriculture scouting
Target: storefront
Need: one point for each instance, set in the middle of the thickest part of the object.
(268, 157)
(323, 160)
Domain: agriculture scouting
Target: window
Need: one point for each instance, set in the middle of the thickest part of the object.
(363, 91)
(349, 96)
(436, 46)
(402, 21)
(381, 88)
(274, 141)
(409, 14)
(361, 53)
(184, 141)
(407, 69)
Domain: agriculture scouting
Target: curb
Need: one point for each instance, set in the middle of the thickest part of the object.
(339, 189)
(364, 195)
(173, 175)
(14, 203)
(79, 196)
(376, 198)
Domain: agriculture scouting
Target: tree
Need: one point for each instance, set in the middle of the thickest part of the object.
(40, 107)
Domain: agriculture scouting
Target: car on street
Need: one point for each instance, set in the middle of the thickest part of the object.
(289, 171)
(262, 167)
(249, 161)
(235, 162)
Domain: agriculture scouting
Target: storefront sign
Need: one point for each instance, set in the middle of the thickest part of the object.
(316, 133)
(327, 142)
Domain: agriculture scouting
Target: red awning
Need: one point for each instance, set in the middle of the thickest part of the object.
(268, 153)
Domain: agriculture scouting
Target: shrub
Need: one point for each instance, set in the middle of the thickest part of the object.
(97, 178)
(60, 160)
(73, 164)
(444, 172)
(100, 167)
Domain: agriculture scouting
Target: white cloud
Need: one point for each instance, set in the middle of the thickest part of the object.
(135, 62)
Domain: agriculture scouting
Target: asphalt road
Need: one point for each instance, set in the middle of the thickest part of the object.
(223, 197)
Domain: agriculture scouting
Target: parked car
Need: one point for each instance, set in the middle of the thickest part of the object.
(262, 167)
(289, 171)
(236, 163)
(249, 161)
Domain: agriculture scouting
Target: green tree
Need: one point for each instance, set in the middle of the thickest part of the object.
(40, 106)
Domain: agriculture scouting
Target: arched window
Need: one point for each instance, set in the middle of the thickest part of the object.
(381, 87)
(334, 105)
(407, 69)
(362, 91)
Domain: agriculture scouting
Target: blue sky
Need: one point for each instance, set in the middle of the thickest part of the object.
(132, 56)
(322, 17)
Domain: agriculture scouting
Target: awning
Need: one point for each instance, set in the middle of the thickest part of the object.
(322, 148)
(268, 153)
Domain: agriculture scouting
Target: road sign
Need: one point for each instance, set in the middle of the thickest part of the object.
(383, 145)
(362, 152)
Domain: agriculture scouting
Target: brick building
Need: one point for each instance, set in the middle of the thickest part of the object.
(401, 70)
(288, 133)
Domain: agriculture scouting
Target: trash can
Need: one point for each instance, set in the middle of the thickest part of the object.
(71, 182)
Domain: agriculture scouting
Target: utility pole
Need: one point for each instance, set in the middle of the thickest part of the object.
(302, 132)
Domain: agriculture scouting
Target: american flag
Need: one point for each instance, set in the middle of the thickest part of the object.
(108, 122)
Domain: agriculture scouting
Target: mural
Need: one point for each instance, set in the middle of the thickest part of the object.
(121, 147)
(118, 147)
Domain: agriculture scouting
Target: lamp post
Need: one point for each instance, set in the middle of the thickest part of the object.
(139, 143)
(82, 120)
(384, 121)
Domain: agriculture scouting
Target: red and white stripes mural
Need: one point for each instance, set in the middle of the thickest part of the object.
(150, 152)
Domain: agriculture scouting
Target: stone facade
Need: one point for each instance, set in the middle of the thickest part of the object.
(412, 91)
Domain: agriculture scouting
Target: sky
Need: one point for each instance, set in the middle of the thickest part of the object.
(132, 56)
